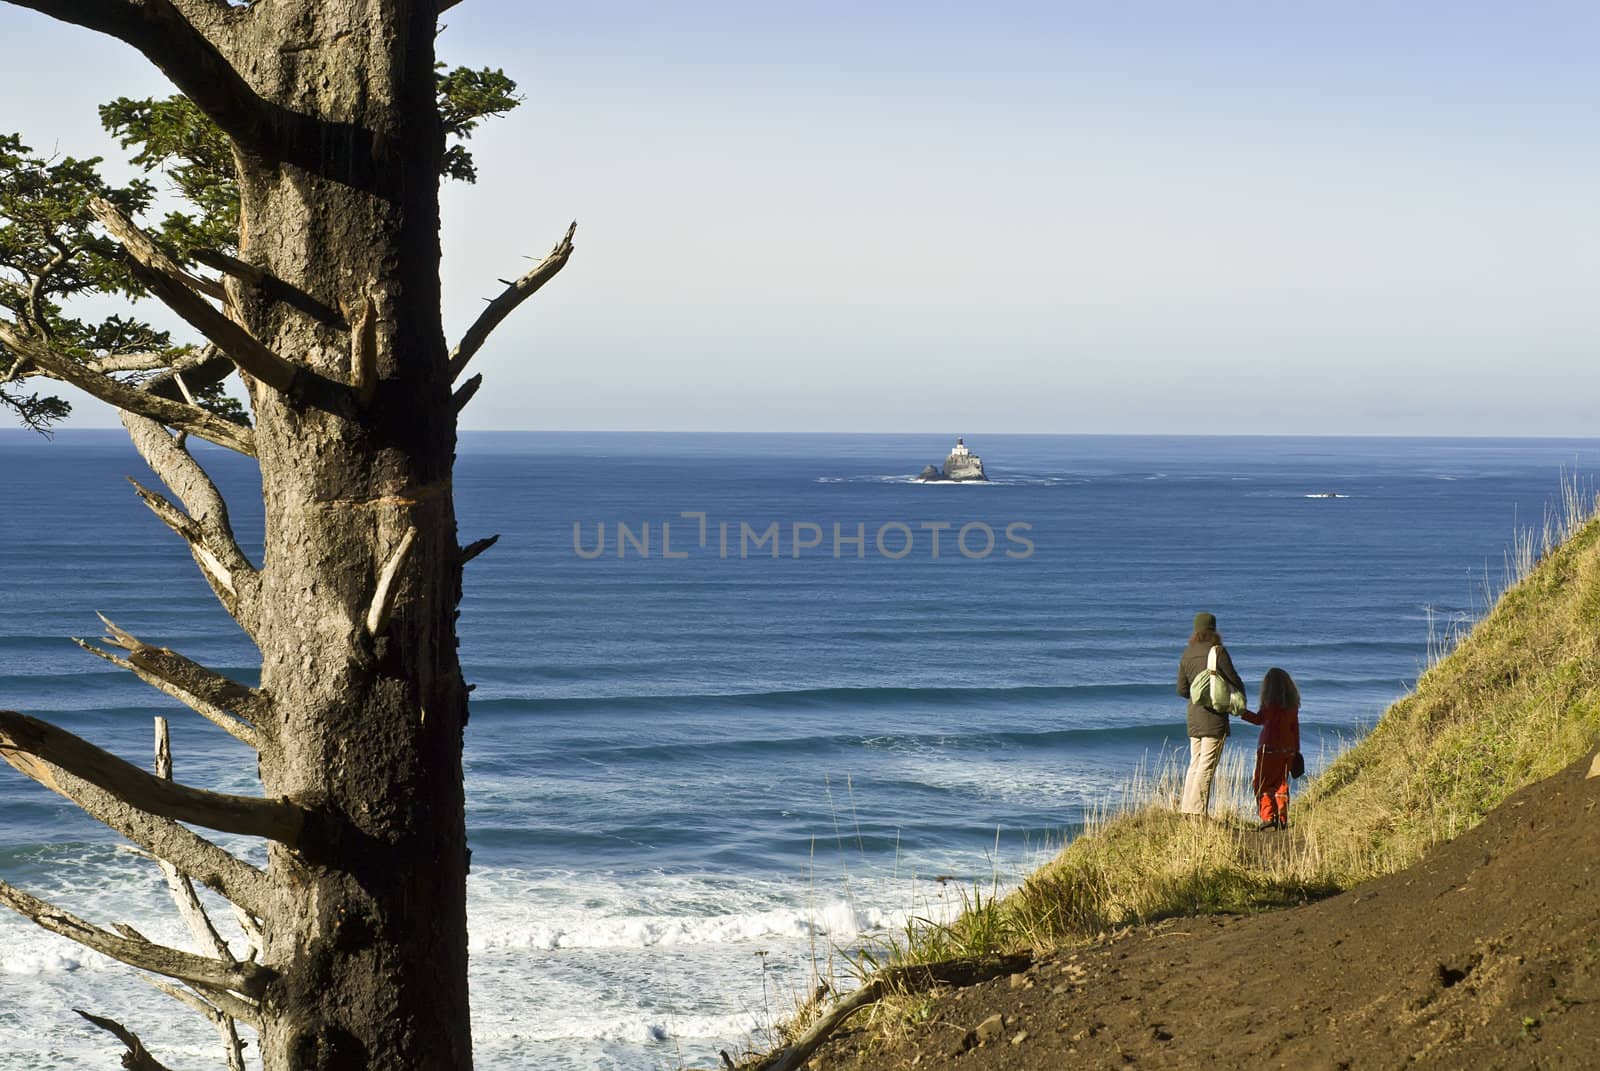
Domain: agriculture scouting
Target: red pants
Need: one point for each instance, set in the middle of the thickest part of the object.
(1271, 785)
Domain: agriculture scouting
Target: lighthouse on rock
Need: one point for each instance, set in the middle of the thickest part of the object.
(962, 466)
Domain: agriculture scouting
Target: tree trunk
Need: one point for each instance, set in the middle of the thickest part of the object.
(330, 313)
(369, 936)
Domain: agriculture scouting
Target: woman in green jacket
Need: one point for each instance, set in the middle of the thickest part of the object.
(1208, 728)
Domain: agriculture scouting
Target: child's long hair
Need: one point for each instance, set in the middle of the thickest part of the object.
(1278, 690)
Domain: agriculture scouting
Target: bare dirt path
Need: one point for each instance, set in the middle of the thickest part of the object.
(1486, 954)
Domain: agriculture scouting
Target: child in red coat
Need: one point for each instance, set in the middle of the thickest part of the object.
(1279, 718)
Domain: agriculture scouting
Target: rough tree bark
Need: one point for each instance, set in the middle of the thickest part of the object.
(359, 716)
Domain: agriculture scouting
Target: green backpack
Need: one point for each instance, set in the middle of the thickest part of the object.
(1214, 691)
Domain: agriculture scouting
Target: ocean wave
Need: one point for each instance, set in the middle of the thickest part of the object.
(802, 698)
(815, 744)
(1042, 481)
(875, 698)
(567, 1024)
(512, 910)
(837, 921)
(48, 960)
(93, 676)
(905, 477)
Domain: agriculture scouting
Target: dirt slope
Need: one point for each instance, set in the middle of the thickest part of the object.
(1486, 954)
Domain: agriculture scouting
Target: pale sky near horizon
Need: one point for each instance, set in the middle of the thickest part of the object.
(1145, 218)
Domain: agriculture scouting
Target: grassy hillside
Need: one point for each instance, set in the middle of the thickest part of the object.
(1515, 701)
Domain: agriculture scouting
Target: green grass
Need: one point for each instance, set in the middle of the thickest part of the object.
(1516, 700)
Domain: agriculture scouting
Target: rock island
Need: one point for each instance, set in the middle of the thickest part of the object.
(962, 466)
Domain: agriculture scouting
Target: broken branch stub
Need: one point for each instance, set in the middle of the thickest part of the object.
(384, 593)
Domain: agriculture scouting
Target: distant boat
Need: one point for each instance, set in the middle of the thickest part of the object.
(962, 466)
(1326, 494)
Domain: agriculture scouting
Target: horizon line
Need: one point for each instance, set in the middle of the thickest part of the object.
(944, 434)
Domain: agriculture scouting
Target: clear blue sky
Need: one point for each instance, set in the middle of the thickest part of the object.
(1325, 218)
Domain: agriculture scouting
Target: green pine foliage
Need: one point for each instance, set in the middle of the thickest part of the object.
(52, 250)
(173, 136)
(466, 98)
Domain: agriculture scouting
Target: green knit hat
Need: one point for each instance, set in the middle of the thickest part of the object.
(1204, 622)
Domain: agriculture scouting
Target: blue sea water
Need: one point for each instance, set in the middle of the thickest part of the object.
(695, 775)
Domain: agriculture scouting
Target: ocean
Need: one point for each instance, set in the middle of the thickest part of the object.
(735, 713)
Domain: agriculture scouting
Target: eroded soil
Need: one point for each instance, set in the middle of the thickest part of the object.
(1486, 954)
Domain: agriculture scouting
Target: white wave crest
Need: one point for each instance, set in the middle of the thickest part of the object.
(508, 929)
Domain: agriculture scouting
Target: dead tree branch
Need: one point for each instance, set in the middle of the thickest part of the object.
(206, 367)
(234, 727)
(143, 249)
(464, 393)
(225, 692)
(35, 316)
(135, 950)
(129, 362)
(246, 1010)
(270, 286)
(383, 595)
(234, 707)
(241, 270)
(188, 418)
(137, 1058)
(914, 979)
(208, 14)
(513, 295)
(245, 886)
(255, 940)
(477, 547)
(168, 364)
(207, 511)
(364, 350)
(218, 575)
(194, 912)
(182, 889)
(195, 65)
(176, 289)
(199, 923)
(222, 1021)
(26, 742)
